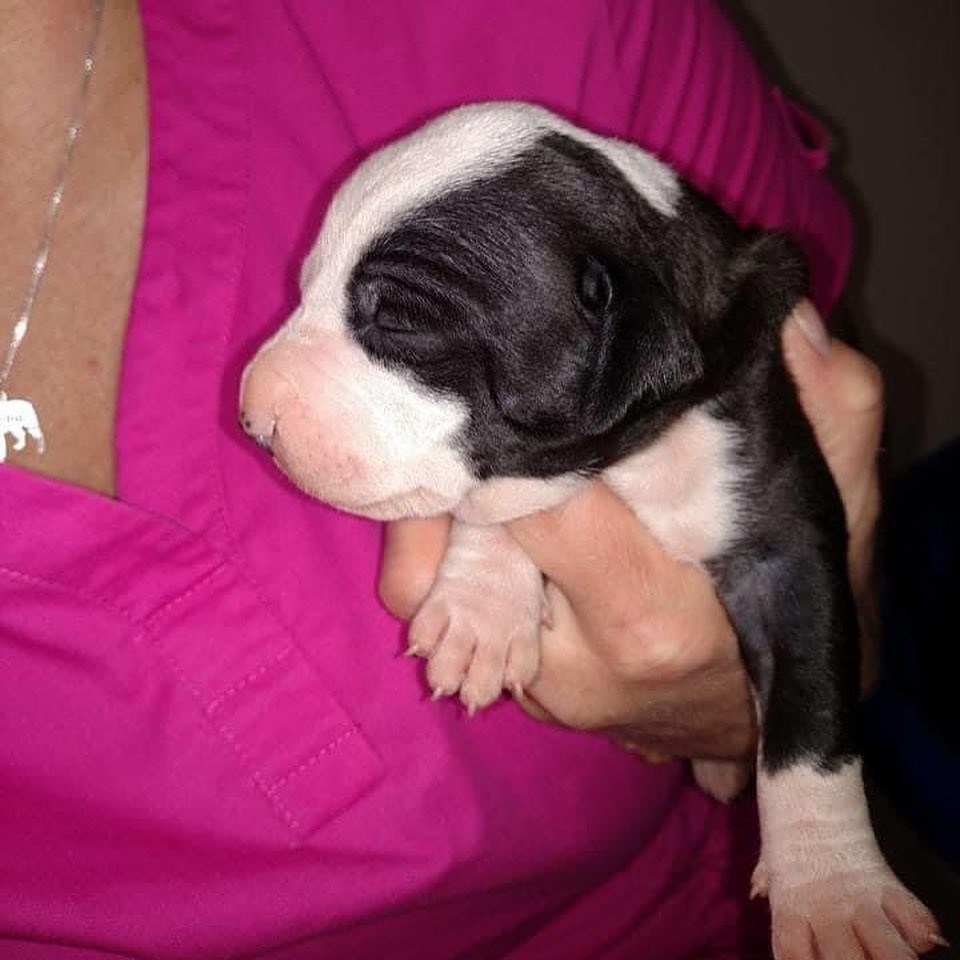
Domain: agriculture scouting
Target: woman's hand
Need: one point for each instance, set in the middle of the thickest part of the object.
(639, 645)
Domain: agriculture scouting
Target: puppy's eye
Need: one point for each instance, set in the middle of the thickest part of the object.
(388, 320)
(374, 312)
(594, 286)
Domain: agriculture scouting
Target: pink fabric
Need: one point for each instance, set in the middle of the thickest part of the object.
(210, 745)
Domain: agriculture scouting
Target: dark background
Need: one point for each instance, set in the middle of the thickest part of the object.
(884, 77)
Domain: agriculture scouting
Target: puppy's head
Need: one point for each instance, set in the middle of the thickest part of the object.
(494, 308)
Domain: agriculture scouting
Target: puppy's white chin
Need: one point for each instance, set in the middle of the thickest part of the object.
(419, 502)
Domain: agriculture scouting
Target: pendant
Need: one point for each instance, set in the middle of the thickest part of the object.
(18, 420)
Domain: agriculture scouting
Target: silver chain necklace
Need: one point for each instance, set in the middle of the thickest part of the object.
(18, 417)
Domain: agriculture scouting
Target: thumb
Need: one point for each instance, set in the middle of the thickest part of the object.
(833, 380)
(841, 392)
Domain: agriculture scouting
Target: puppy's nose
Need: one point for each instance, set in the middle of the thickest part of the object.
(265, 393)
(258, 429)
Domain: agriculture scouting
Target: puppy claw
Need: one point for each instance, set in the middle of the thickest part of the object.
(478, 626)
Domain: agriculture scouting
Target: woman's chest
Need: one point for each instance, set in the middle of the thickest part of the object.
(70, 273)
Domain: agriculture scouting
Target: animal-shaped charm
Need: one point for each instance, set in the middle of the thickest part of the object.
(19, 420)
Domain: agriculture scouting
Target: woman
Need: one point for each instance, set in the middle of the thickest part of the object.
(210, 747)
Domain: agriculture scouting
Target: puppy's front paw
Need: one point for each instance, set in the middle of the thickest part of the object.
(479, 626)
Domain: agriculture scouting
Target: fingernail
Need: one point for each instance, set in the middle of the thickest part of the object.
(807, 318)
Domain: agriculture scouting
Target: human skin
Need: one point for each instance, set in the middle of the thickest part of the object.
(636, 643)
(69, 362)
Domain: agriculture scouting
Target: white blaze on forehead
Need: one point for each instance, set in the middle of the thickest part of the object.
(458, 148)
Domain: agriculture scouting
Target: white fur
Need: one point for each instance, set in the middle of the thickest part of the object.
(488, 595)
(480, 624)
(471, 143)
(682, 487)
(831, 892)
(813, 822)
(505, 498)
(354, 433)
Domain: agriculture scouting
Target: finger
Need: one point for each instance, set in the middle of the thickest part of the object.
(830, 376)
(412, 551)
(573, 686)
(588, 545)
(841, 392)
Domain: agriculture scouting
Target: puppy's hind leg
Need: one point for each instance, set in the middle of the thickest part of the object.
(831, 892)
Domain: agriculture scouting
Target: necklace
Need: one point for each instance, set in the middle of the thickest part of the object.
(18, 416)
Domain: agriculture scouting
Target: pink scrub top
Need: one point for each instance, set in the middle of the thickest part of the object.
(211, 747)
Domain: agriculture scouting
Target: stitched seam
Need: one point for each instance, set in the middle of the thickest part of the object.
(88, 595)
(312, 761)
(147, 627)
(150, 621)
(254, 674)
(231, 738)
(242, 53)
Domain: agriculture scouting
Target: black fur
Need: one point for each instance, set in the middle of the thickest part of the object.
(578, 323)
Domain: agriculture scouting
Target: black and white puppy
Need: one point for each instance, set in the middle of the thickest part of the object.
(502, 306)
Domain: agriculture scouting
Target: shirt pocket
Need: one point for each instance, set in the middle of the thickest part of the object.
(143, 664)
(266, 703)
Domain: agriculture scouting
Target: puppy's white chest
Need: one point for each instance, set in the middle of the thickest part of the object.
(683, 487)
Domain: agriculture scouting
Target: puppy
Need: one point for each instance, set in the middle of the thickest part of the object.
(502, 306)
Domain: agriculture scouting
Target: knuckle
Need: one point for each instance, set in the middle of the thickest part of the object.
(647, 649)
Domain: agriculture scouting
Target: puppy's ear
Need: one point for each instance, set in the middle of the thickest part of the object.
(764, 279)
(768, 274)
(736, 286)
